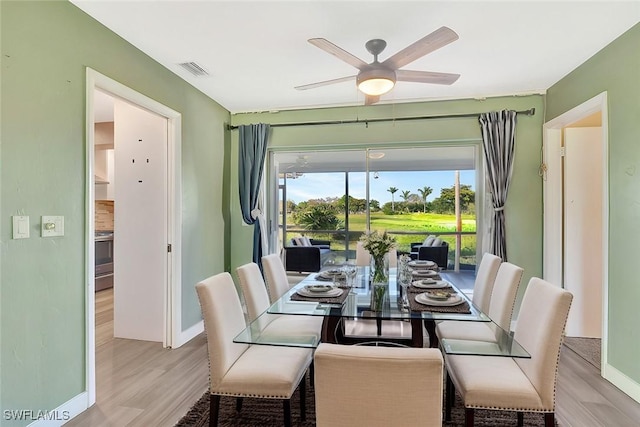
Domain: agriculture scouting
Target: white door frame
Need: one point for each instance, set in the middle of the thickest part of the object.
(172, 295)
(552, 196)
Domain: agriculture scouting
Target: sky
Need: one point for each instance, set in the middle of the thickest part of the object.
(322, 185)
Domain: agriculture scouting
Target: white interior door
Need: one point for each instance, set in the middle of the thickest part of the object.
(583, 253)
(140, 224)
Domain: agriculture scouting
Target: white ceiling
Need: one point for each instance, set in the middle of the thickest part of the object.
(257, 51)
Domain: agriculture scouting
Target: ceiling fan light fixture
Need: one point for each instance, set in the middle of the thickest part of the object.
(376, 81)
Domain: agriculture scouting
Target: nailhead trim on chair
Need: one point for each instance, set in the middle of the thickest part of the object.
(555, 387)
(262, 396)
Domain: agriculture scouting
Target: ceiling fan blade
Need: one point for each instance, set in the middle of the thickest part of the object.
(325, 83)
(338, 52)
(371, 99)
(439, 38)
(426, 77)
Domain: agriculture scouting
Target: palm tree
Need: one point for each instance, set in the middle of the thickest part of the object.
(405, 197)
(424, 193)
(392, 190)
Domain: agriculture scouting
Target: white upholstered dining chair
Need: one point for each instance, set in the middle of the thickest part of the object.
(242, 370)
(377, 386)
(256, 298)
(517, 384)
(503, 298)
(485, 278)
(275, 275)
(363, 257)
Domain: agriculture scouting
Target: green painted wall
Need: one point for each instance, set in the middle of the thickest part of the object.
(524, 203)
(616, 70)
(46, 47)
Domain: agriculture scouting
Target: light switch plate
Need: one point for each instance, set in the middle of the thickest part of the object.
(52, 226)
(20, 227)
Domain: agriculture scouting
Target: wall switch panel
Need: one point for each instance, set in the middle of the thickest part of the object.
(52, 226)
(20, 227)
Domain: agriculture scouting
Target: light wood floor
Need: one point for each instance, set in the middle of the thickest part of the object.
(141, 384)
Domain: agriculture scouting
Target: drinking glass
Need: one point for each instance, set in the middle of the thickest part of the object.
(350, 271)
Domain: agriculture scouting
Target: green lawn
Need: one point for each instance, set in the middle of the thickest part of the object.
(422, 223)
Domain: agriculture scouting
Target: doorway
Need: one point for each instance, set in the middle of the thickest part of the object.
(575, 185)
(156, 167)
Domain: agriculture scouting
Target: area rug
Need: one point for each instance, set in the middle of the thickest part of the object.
(587, 348)
(266, 413)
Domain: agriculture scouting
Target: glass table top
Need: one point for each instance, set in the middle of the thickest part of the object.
(277, 325)
(358, 302)
(503, 345)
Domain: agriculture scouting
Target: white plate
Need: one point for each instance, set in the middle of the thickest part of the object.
(318, 288)
(335, 292)
(451, 301)
(436, 284)
(424, 273)
(421, 263)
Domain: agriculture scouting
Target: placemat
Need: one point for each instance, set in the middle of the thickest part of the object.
(434, 277)
(337, 278)
(417, 290)
(330, 300)
(416, 306)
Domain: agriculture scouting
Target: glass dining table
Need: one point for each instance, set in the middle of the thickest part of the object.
(400, 304)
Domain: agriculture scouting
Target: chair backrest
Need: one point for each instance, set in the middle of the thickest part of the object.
(382, 386)
(223, 320)
(503, 296)
(254, 290)
(540, 327)
(275, 276)
(363, 257)
(485, 278)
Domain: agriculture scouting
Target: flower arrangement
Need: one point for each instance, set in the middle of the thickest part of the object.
(378, 246)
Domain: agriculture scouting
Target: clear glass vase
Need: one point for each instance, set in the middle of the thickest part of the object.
(379, 281)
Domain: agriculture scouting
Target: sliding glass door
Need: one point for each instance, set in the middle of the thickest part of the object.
(410, 193)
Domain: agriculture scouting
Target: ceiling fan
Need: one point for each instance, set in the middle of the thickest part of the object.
(378, 78)
(302, 161)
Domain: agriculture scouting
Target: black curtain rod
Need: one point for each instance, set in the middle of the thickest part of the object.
(529, 112)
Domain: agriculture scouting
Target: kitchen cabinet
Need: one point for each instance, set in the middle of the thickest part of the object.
(103, 164)
(104, 176)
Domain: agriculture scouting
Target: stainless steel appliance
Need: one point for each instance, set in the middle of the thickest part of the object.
(104, 260)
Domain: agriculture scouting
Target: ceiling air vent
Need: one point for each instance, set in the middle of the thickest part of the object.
(194, 69)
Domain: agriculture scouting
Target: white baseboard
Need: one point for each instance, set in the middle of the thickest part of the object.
(186, 336)
(63, 413)
(623, 382)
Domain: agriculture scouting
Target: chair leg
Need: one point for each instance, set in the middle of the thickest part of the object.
(520, 419)
(286, 404)
(468, 417)
(312, 375)
(238, 404)
(549, 419)
(430, 326)
(450, 393)
(214, 407)
(303, 398)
